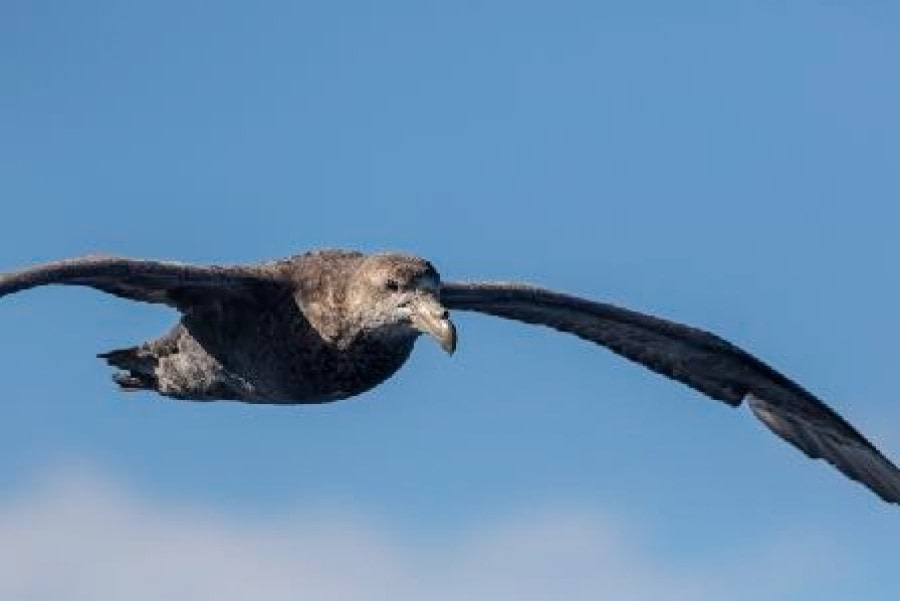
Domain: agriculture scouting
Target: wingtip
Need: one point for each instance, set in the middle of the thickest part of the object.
(848, 451)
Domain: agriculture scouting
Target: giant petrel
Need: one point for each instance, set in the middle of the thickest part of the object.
(327, 325)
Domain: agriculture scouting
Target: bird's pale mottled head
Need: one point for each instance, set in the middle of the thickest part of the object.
(399, 294)
(393, 272)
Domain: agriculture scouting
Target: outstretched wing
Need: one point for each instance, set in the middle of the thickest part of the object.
(174, 284)
(699, 359)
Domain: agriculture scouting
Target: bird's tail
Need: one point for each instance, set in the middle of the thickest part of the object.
(138, 365)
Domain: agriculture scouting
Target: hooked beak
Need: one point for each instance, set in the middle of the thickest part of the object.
(429, 317)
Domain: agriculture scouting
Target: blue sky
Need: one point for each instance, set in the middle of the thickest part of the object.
(733, 168)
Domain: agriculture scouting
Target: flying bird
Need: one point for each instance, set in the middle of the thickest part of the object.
(327, 325)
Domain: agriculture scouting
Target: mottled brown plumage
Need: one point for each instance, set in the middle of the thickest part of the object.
(327, 325)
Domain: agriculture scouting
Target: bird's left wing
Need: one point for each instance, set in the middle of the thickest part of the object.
(699, 359)
(176, 284)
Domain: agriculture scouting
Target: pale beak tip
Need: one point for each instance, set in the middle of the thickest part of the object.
(448, 339)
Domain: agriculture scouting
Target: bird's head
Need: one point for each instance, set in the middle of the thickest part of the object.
(400, 295)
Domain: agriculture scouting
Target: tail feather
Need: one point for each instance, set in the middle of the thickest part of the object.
(138, 365)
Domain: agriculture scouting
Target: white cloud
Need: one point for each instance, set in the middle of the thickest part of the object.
(77, 536)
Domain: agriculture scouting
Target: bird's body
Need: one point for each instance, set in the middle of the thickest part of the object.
(328, 325)
(265, 352)
(297, 343)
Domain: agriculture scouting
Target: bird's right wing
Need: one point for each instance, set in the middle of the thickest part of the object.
(699, 359)
(175, 284)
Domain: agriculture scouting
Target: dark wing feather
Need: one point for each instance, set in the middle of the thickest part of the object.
(174, 284)
(699, 359)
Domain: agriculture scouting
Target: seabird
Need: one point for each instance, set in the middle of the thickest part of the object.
(327, 325)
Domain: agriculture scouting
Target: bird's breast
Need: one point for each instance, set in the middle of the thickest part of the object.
(331, 372)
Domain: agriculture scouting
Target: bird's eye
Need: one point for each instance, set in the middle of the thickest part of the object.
(392, 285)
